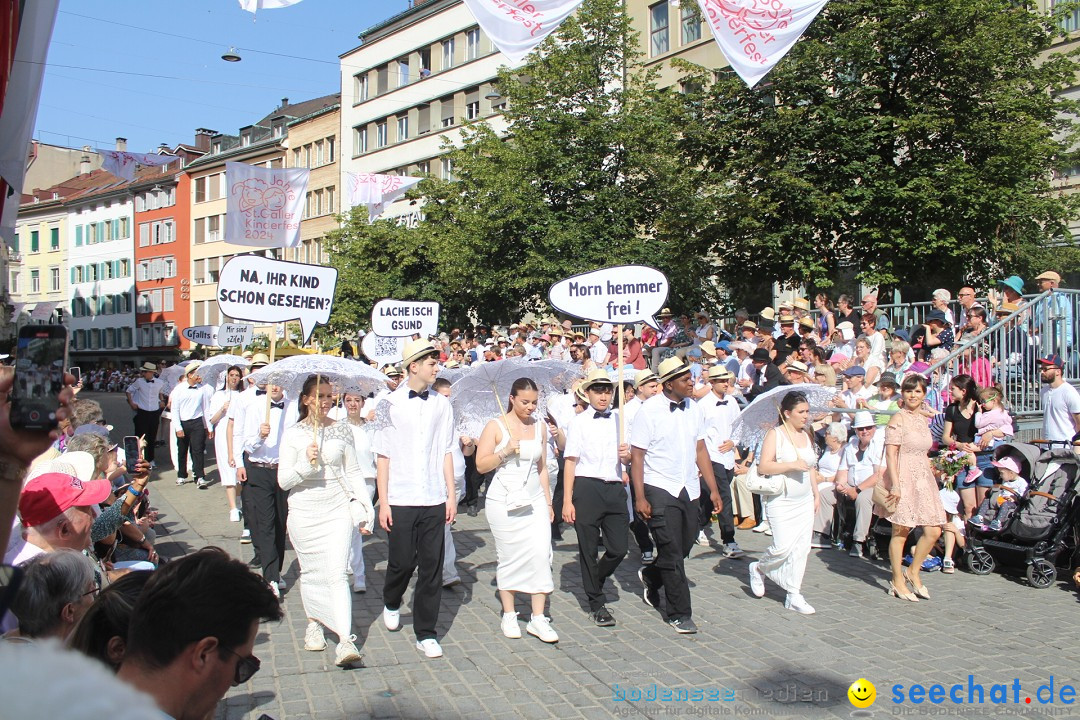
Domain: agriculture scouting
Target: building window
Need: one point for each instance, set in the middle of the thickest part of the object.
(200, 189)
(403, 72)
(296, 158)
(360, 139)
(447, 169)
(472, 110)
(34, 241)
(213, 228)
(330, 141)
(403, 128)
(35, 281)
(330, 200)
(14, 282)
(448, 54)
(691, 25)
(447, 106)
(213, 187)
(382, 79)
(658, 30)
(167, 300)
(472, 44)
(380, 134)
(54, 238)
(360, 87)
(423, 167)
(54, 279)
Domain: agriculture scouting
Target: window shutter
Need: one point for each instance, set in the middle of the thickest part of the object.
(78, 235)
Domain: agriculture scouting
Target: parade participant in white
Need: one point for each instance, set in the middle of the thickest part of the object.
(361, 430)
(147, 397)
(320, 471)
(234, 426)
(189, 404)
(720, 412)
(219, 410)
(519, 508)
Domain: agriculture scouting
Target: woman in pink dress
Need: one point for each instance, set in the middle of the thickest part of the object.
(910, 482)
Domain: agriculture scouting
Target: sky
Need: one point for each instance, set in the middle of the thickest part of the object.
(151, 70)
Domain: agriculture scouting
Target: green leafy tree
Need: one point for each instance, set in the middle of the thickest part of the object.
(912, 139)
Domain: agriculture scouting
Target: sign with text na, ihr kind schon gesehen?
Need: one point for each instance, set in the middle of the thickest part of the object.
(403, 318)
(623, 294)
(260, 289)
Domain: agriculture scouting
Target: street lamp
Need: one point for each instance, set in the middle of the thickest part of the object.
(231, 56)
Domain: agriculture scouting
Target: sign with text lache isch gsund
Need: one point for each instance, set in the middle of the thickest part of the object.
(264, 205)
(259, 289)
(402, 318)
(622, 294)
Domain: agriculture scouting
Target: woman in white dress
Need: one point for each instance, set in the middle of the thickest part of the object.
(788, 450)
(353, 406)
(219, 418)
(318, 464)
(519, 508)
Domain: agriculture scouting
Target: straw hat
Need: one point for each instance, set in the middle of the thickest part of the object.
(672, 368)
(416, 349)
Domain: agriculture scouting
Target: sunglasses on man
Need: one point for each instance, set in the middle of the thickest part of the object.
(246, 667)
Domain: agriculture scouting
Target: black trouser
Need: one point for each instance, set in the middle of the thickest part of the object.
(557, 502)
(599, 504)
(415, 542)
(195, 439)
(674, 525)
(266, 507)
(725, 519)
(146, 425)
(472, 481)
(639, 527)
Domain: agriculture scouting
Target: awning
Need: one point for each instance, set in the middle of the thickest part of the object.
(43, 311)
(16, 310)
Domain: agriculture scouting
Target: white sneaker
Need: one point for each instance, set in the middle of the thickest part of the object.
(763, 527)
(430, 647)
(245, 537)
(181, 481)
(203, 483)
(510, 627)
(391, 618)
(274, 589)
(702, 538)
(757, 582)
(540, 626)
(314, 640)
(234, 515)
(346, 652)
(359, 586)
(796, 602)
(281, 584)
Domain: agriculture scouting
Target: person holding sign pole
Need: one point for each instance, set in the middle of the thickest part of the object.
(667, 446)
(320, 471)
(220, 403)
(595, 496)
(414, 465)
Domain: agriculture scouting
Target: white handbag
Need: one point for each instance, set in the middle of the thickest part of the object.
(760, 484)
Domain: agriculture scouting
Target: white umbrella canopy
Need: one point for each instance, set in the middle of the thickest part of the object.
(344, 375)
(212, 369)
(762, 414)
(174, 373)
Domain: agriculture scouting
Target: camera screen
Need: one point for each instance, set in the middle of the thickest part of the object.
(39, 367)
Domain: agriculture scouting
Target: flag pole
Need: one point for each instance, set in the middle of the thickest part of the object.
(273, 354)
(622, 395)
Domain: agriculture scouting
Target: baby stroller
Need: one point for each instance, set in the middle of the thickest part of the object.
(1043, 529)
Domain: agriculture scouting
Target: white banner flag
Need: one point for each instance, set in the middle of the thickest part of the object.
(755, 34)
(252, 5)
(376, 191)
(265, 205)
(516, 27)
(122, 164)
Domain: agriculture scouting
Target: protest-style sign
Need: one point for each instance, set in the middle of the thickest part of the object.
(402, 318)
(264, 205)
(622, 294)
(376, 191)
(260, 289)
(235, 334)
(383, 350)
(202, 334)
(755, 34)
(516, 27)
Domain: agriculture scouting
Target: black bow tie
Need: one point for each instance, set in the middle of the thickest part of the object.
(421, 395)
(599, 414)
(721, 402)
(193, 387)
(259, 392)
(677, 406)
(278, 405)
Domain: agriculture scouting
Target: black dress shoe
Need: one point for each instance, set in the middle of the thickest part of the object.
(602, 618)
(472, 510)
(255, 562)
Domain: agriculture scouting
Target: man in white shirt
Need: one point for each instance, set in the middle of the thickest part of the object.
(862, 466)
(853, 396)
(1060, 402)
(415, 478)
(266, 505)
(668, 451)
(720, 411)
(595, 498)
(646, 385)
(189, 404)
(598, 349)
(147, 398)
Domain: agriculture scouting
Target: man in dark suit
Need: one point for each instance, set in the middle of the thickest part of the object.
(765, 376)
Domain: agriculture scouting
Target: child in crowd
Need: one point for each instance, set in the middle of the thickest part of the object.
(954, 534)
(884, 403)
(1001, 505)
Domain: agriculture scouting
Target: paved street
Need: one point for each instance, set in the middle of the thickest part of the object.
(752, 655)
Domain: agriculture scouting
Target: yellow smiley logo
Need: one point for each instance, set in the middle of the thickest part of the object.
(862, 693)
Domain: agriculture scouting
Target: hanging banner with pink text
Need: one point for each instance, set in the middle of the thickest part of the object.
(265, 205)
(516, 27)
(755, 34)
(376, 190)
(123, 164)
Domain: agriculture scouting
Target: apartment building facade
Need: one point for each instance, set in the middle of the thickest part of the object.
(313, 144)
(37, 282)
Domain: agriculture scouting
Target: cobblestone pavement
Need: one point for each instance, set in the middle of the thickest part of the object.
(753, 656)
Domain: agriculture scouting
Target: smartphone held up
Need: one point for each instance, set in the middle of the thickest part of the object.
(40, 362)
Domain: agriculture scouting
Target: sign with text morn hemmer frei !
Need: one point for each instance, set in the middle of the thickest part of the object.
(623, 294)
(259, 289)
(264, 205)
(403, 318)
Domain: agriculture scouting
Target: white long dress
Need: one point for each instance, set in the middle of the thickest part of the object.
(319, 524)
(791, 517)
(226, 474)
(522, 536)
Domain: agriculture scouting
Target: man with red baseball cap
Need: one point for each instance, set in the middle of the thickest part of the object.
(1060, 402)
(57, 512)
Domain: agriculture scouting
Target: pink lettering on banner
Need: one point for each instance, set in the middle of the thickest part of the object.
(522, 12)
(263, 206)
(750, 23)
